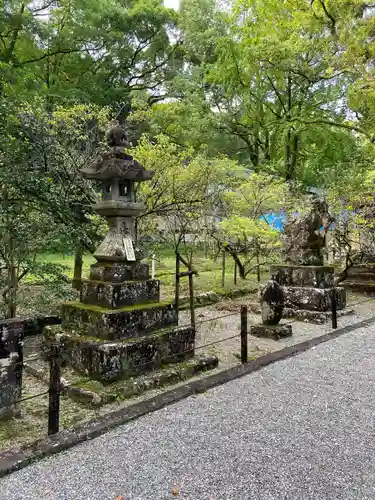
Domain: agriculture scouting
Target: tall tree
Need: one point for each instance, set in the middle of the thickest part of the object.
(272, 85)
(78, 50)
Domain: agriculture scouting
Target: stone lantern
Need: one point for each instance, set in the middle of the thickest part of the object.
(118, 171)
(120, 328)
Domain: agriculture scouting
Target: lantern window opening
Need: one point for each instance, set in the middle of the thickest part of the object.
(123, 189)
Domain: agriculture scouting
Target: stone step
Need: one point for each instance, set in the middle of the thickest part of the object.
(359, 286)
(303, 276)
(362, 268)
(361, 276)
(93, 393)
(115, 295)
(313, 299)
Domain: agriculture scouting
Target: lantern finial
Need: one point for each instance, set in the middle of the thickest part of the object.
(116, 137)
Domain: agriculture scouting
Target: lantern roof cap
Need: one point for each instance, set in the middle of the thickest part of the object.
(115, 163)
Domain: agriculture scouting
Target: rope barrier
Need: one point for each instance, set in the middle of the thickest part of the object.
(360, 302)
(16, 364)
(27, 398)
(210, 319)
(218, 341)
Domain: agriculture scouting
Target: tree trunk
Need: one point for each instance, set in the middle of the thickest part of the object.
(78, 265)
(258, 266)
(236, 259)
(223, 270)
(291, 143)
(11, 294)
(18, 22)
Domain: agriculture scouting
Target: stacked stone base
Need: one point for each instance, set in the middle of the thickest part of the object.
(108, 361)
(120, 328)
(308, 291)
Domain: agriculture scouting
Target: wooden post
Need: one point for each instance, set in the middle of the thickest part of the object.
(223, 270)
(191, 293)
(153, 266)
(334, 308)
(54, 390)
(177, 290)
(19, 369)
(244, 355)
(235, 273)
(78, 265)
(258, 267)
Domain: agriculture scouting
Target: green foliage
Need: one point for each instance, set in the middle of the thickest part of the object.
(275, 87)
(243, 230)
(240, 104)
(186, 192)
(44, 199)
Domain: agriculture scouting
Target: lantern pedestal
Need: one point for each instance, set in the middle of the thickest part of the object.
(114, 343)
(115, 295)
(117, 272)
(120, 359)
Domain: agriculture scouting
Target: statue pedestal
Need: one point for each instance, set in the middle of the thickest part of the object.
(308, 291)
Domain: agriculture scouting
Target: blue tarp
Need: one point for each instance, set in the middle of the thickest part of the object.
(276, 221)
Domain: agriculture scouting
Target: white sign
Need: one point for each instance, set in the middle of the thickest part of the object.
(129, 250)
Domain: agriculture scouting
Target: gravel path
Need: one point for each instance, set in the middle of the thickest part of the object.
(300, 429)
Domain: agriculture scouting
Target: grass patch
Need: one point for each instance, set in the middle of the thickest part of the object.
(37, 296)
(209, 272)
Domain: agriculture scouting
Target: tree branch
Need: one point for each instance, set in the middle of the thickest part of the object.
(9, 53)
(7, 289)
(332, 124)
(330, 17)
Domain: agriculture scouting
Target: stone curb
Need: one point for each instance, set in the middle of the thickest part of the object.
(13, 460)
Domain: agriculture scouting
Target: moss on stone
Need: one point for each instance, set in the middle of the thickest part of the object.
(75, 304)
(291, 266)
(129, 387)
(82, 338)
(105, 264)
(51, 331)
(89, 385)
(12, 428)
(116, 283)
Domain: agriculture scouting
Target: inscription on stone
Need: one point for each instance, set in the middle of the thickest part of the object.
(129, 250)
